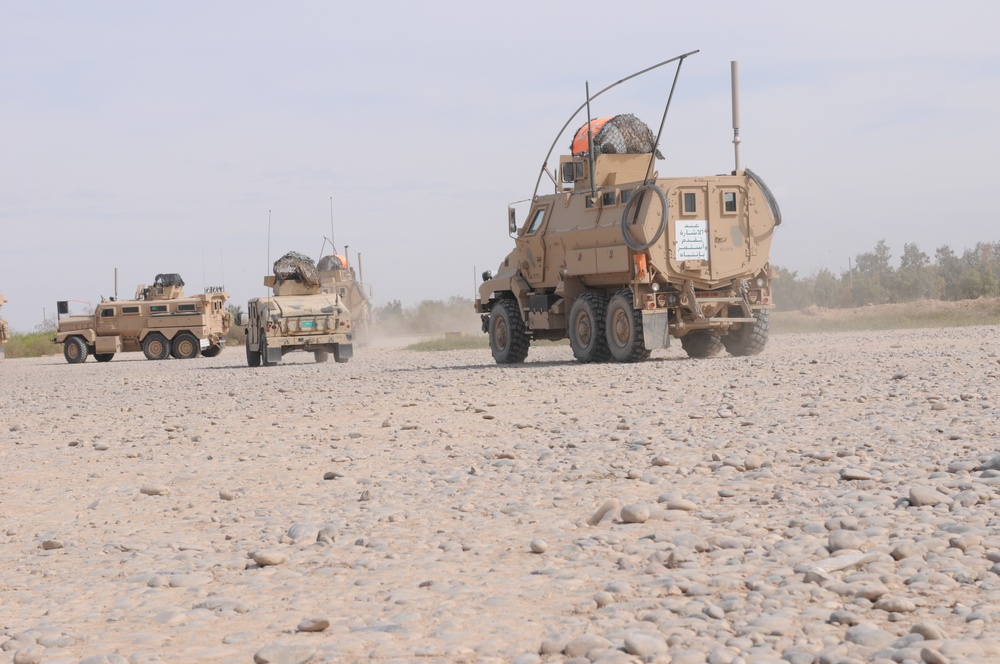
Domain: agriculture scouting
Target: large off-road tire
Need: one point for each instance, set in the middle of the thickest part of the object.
(185, 346)
(263, 351)
(321, 356)
(103, 357)
(155, 346)
(586, 328)
(508, 336)
(701, 343)
(749, 338)
(75, 350)
(624, 329)
(253, 356)
(212, 351)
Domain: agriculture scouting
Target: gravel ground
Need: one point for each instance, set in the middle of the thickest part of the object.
(833, 500)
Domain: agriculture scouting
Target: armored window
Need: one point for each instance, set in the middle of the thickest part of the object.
(536, 221)
(185, 307)
(158, 309)
(609, 197)
(130, 310)
(690, 202)
(627, 195)
(729, 201)
(572, 171)
(107, 313)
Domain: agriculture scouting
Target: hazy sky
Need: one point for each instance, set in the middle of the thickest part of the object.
(156, 137)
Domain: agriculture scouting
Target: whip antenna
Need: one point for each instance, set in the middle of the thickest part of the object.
(734, 68)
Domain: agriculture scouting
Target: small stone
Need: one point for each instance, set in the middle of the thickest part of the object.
(284, 654)
(313, 625)
(269, 557)
(929, 630)
(855, 474)
(581, 645)
(332, 475)
(611, 505)
(539, 546)
(869, 636)
(153, 490)
(227, 494)
(925, 495)
(303, 532)
(895, 605)
(932, 656)
(644, 644)
(638, 513)
(29, 655)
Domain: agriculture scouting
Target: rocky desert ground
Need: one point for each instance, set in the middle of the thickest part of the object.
(835, 499)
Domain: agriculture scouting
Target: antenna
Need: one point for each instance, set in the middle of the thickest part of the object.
(204, 277)
(222, 266)
(663, 121)
(590, 144)
(734, 69)
(333, 237)
(268, 271)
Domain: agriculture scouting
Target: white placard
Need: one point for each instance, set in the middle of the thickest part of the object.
(691, 239)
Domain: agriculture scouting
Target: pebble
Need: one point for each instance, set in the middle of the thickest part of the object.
(268, 557)
(539, 546)
(154, 490)
(638, 513)
(313, 625)
(284, 654)
(610, 506)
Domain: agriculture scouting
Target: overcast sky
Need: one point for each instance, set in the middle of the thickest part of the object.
(158, 137)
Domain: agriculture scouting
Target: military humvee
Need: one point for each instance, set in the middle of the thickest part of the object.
(4, 331)
(299, 315)
(160, 321)
(619, 259)
(336, 275)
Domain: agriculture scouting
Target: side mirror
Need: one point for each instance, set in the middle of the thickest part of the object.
(241, 319)
(511, 221)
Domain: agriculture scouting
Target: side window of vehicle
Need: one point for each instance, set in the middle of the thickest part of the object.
(536, 221)
(108, 313)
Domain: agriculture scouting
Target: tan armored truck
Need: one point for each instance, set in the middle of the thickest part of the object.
(160, 321)
(299, 315)
(4, 331)
(619, 260)
(337, 276)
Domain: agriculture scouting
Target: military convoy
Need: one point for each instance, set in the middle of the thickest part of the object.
(299, 315)
(160, 321)
(619, 260)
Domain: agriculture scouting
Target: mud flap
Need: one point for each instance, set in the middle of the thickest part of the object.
(273, 354)
(343, 352)
(655, 330)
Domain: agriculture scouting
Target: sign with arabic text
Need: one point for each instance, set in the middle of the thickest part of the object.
(691, 239)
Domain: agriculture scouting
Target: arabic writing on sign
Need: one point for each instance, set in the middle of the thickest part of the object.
(691, 239)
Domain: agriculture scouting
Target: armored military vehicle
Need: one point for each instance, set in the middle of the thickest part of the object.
(620, 260)
(299, 315)
(160, 321)
(4, 331)
(336, 275)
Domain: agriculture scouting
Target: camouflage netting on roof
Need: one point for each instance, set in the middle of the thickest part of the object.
(623, 134)
(300, 267)
(168, 279)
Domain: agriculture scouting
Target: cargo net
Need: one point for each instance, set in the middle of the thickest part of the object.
(171, 279)
(299, 267)
(618, 134)
(330, 263)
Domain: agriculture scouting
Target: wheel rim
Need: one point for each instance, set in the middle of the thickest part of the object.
(584, 330)
(500, 333)
(73, 351)
(156, 347)
(184, 348)
(621, 328)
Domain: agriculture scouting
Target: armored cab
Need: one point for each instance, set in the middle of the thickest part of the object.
(337, 276)
(619, 260)
(160, 321)
(298, 315)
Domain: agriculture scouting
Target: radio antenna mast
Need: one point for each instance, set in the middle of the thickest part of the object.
(333, 238)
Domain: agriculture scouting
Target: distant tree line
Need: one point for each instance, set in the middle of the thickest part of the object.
(873, 279)
(455, 314)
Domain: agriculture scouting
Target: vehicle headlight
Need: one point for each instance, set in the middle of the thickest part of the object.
(655, 286)
(760, 282)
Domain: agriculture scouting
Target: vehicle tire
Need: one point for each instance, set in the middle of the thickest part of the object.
(185, 346)
(508, 337)
(321, 356)
(337, 357)
(75, 350)
(103, 357)
(701, 343)
(586, 328)
(253, 356)
(624, 329)
(263, 351)
(212, 351)
(749, 338)
(155, 346)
